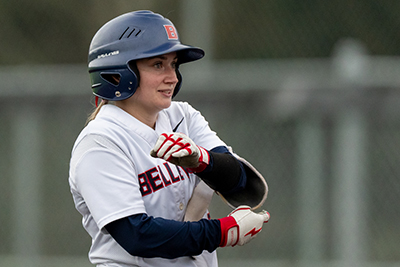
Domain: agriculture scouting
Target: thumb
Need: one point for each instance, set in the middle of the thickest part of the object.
(266, 215)
(153, 153)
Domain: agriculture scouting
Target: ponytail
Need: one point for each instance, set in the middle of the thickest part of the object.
(93, 115)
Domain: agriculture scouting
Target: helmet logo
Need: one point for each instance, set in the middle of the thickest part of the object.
(113, 53)
(171, 32)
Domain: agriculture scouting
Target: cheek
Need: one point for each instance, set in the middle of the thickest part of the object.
(148, 82)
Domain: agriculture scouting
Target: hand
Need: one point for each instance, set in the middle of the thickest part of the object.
(180, 150)
(241, 226)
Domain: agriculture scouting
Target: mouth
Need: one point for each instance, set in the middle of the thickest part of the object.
(166, 92)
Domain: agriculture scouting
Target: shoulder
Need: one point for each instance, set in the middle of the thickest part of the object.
(104, 125)
(181, 109)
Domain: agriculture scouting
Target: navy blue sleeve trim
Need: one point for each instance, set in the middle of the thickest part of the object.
(220, 149)
(146, 236)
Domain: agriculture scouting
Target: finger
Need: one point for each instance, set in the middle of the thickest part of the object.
(167, 146)
(164, 149)
(160, 141)
(172, 149)
(182, 152)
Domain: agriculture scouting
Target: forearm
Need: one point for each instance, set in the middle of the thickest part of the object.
(224, 173)
(145, 236)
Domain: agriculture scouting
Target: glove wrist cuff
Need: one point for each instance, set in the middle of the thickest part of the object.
(229, 231)
(204, 160)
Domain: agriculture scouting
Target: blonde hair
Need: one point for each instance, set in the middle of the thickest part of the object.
(96, 111)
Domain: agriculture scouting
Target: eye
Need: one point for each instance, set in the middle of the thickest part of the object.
(158, 65)
(174, 65)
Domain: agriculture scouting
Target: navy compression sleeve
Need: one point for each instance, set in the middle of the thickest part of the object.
(145, 236)
(224, 173)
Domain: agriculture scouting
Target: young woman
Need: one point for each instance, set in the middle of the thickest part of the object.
(142, 156)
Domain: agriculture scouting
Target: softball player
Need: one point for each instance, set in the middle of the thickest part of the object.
(138, 169)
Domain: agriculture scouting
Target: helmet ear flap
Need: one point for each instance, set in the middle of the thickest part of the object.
(111, 77)
(117, 84)
(133, 67)
(179, 84)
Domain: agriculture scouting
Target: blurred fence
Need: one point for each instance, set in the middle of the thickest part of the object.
(318, 115)
(324, 132)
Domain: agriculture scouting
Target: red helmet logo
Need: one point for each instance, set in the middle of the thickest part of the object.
(171, 32)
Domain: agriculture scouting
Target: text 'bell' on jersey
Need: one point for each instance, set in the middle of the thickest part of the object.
(156, 178)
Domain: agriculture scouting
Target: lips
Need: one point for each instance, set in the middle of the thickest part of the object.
(166, 92)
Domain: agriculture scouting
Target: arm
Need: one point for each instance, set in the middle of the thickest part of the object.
(145, 236)
(237, 181)
(224, 173)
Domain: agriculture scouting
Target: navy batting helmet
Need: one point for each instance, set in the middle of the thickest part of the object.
(126, 38)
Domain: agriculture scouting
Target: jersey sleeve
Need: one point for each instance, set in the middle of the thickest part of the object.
(158, 237)
(105, 178)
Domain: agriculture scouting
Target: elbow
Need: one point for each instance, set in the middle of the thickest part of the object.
(137, 251)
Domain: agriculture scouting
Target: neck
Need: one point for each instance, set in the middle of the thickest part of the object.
(147, 118)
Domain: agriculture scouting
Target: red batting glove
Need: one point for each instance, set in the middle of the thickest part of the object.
(241, 226)
(179, 149)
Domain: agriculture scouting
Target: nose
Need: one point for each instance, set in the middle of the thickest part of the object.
(171, 77)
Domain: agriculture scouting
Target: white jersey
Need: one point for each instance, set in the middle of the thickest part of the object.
(112, 176)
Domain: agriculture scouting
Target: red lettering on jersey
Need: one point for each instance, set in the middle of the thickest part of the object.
(171, 173)
(144, 185)
(171, 32)
(154, 179)
(166, 181)
(185, 171)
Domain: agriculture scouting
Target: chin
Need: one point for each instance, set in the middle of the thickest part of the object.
(165, 104)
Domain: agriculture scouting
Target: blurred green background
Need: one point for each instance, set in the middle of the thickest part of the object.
(58, 32)
(308, 91)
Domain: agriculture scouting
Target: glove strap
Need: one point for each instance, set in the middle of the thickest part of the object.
(204, 160)
(229, 231)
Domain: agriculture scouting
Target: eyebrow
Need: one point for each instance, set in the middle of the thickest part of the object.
(161, 57)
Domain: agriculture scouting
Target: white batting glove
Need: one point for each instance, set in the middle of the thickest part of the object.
(241, 226)
(179, 149)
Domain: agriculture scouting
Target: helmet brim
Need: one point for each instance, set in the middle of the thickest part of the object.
(185, 53)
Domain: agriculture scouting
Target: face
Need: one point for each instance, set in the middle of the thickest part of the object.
(157, 83)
